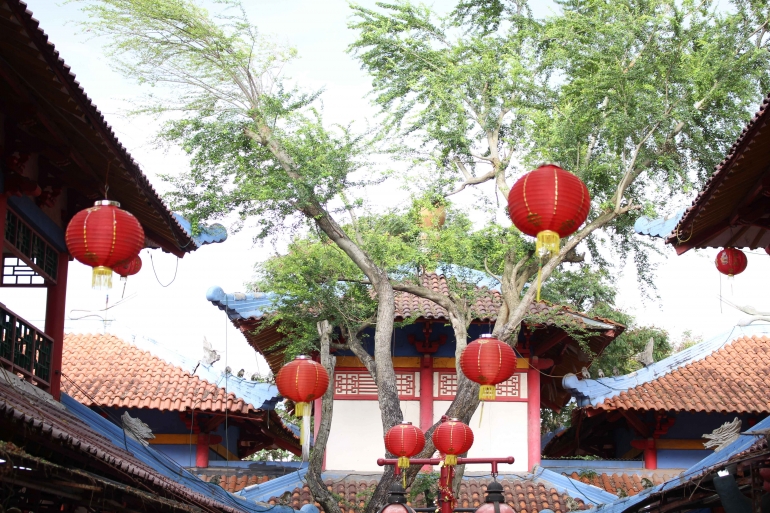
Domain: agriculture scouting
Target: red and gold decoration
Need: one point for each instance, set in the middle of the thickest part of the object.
(103, 237)
(488, 361)
(731, 261)
(127, 269)
(404, 440)
(548, 203)
(302, 380)
(452, 438)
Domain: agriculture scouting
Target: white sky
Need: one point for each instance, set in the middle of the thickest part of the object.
(179, 315)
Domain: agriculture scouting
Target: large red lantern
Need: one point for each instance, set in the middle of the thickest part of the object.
(488, 361)
(731, 261)
(102, 237)
(452, 438)
(127, 269)
(404, 440)
(548, 203)
(302, 380)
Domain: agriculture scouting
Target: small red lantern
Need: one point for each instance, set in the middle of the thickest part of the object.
(731, 261)
(102, 237)
(767, 249)
(404, 440)
(452, 438)
(495, 500)
(129, 268)
(488, 361)
(302, 380)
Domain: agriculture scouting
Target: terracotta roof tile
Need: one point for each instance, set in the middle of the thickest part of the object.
(524, 496)
(106, 371)
(727, 381)
(619, 484)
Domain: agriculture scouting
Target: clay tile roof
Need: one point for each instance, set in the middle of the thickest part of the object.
(732, 379)
(106, 371)
(524, 496)
(622, 484)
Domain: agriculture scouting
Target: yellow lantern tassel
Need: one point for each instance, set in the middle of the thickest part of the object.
(450, 460)
(303, 410)
(403, 462)
(101, 278)
(547, 240)
(487, 393)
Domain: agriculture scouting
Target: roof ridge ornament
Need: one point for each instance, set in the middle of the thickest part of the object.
(724, 435)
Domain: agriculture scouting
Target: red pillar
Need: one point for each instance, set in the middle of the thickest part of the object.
(426, 392)
(533, 414)
(445, 493)
(650, 455)
(54, 320)
(202, 451)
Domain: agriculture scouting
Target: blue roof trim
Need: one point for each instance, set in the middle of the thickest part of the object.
(591, 495)
(264, 396)
(275, 487)
(591, 392)
(711, 462)
(210, 234)
(660, 227)
(241, 305)
(161, 463)
(26, 208)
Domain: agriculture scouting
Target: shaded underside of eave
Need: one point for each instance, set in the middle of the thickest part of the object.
(84, 143)
(706, 222)
(266, 340)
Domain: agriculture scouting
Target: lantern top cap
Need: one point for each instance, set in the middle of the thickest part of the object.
(454, 419)
(302, 357)
(405, 423)
(487, 335)
(106, 203)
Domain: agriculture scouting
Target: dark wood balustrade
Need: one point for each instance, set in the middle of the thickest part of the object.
(25, 350)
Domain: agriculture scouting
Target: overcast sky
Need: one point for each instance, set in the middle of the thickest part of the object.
(179, 315)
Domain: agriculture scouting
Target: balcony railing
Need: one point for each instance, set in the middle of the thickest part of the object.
(25, 350)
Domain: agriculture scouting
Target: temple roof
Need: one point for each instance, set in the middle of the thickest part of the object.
(727, 373)
(62, 123)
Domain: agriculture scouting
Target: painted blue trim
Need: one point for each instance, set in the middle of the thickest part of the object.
(288, 466)
(161, 463)
(605, 466)
(241, 305)
(661, 227)
(590, 494)
(25, 208)
(275, 487)
(211, 234)
(591, 392)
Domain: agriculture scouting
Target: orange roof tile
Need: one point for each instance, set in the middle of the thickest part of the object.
(620, 484)
(106, 371)
(732, 379)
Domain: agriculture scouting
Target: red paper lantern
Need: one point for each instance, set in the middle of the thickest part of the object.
(731, 261)
(102, 237)
(129, 268)
(452, 438)
(767, 249)
(302, 380)
(488, 361)
(549, 203)
(404, 440)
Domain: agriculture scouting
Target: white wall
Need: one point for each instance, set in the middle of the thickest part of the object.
(356, 438)
(502, 433)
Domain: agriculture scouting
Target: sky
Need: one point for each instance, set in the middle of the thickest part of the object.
(166, 300)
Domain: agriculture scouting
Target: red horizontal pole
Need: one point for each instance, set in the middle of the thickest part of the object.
(435, 461)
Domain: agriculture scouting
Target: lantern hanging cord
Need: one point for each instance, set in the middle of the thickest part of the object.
(107, 179)
(176, 268)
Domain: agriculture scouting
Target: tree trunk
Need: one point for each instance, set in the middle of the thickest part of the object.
(315, 467)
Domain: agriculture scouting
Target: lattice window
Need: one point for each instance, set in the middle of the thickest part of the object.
(350, 384)
(26, 245)
(25, 350)
(447, 386)
(17, 273)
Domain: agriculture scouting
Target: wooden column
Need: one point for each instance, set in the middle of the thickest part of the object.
(426, 396)
(54, 320)
(202, 451)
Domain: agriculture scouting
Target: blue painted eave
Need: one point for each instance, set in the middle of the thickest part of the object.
(239, 305)
(592, 392)
(660, 227)
(210, 234)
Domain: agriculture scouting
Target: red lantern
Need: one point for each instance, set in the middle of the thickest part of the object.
(767, 249)
(452, 438)
(488, 361)
(129, 268)
(731, 261)
(404, 440)
(548, 203)
(302, 380)
(102, 237)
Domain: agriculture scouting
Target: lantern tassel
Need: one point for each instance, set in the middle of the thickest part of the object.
(487, 393)
(547, 240)
(403, 463)
(101, 278)
(450, 460)
(303, 410)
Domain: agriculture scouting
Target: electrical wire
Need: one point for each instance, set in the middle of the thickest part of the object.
(176, 268)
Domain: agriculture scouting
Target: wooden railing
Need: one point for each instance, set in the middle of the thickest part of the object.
(25, 350)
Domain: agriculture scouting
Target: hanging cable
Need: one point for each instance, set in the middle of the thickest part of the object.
(176, 268)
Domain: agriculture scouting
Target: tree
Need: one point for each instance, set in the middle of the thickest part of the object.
(638, 98)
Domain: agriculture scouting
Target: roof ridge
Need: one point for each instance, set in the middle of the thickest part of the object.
(592, 392)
